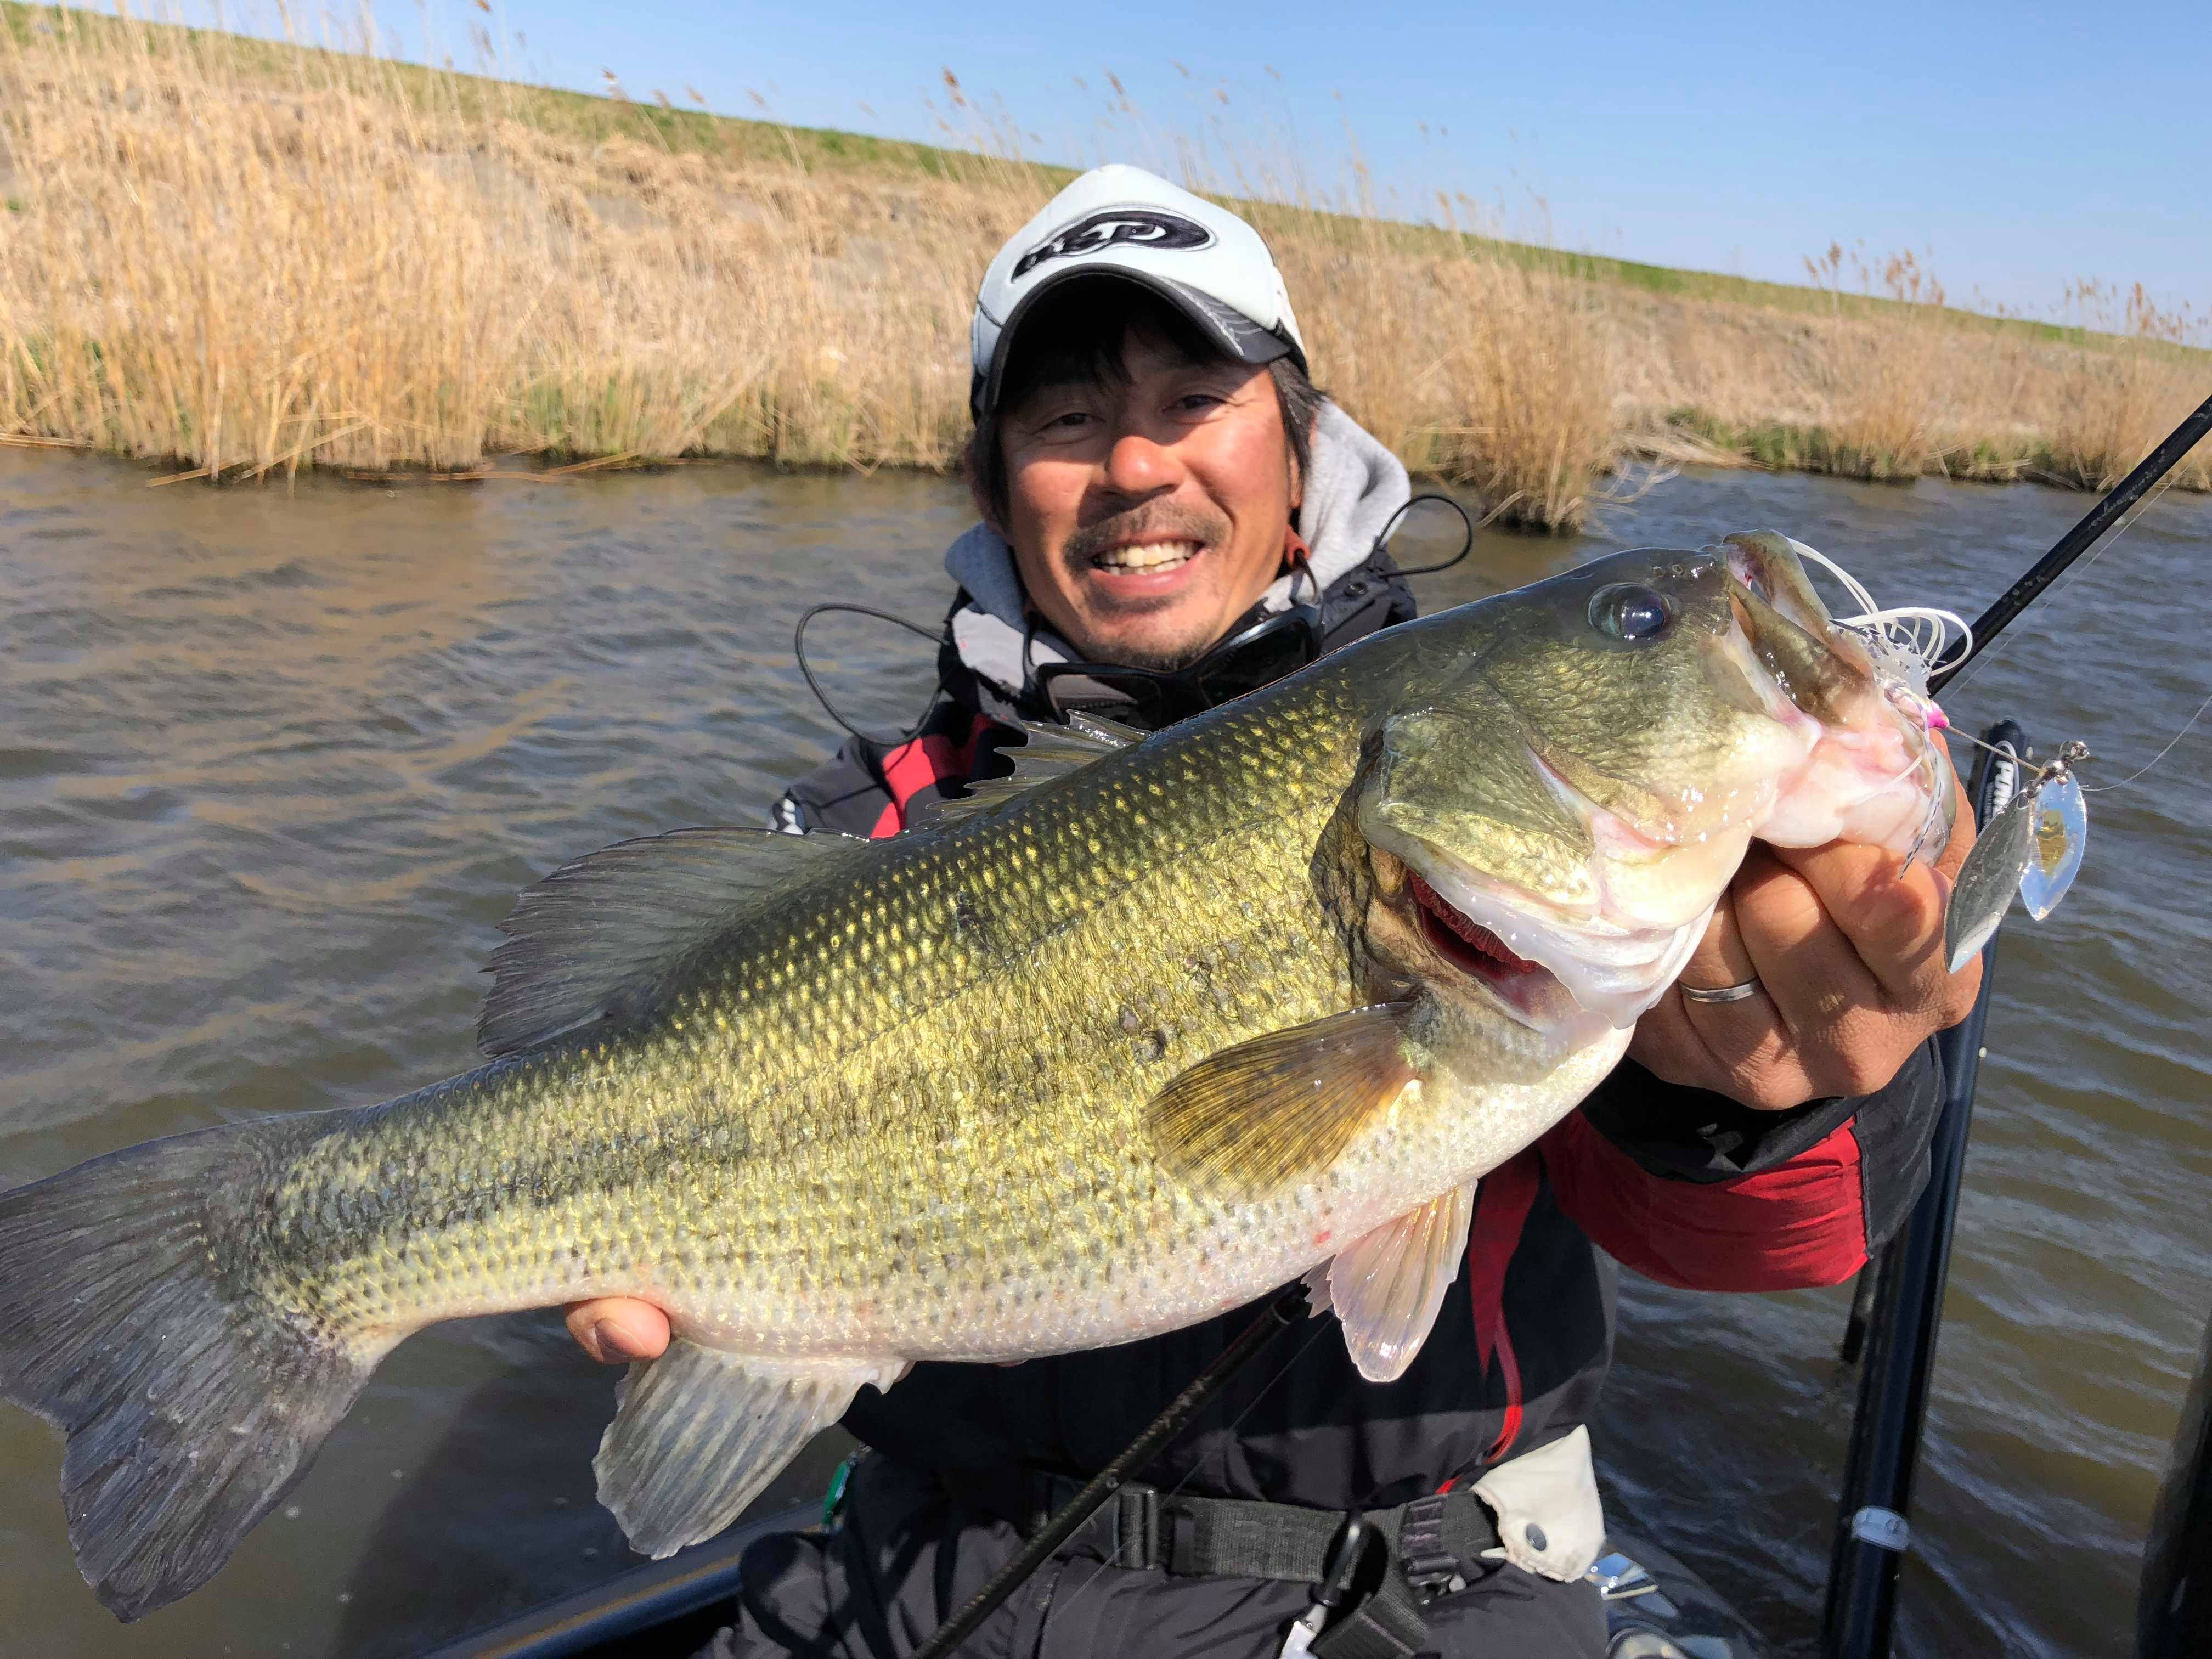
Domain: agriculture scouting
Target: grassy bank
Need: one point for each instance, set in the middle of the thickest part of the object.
(250, 256)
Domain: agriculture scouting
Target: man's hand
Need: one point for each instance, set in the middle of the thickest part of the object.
(1850, 959)
(617, 1329)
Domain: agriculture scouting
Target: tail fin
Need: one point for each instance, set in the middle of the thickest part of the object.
(190, 1408)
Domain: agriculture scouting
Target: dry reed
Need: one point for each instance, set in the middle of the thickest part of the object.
(248, 259)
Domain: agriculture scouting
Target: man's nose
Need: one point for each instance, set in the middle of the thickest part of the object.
(1138, 467)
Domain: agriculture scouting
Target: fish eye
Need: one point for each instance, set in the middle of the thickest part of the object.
(1630, 610)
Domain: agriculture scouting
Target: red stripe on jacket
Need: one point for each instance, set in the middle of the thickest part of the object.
(1502, 1204)
(1800, 1224)
(913, 767)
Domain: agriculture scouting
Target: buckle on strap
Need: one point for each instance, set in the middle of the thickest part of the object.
(1337, 1572)
(1125, 1531)
(1359, 1613)
(1137, 1543)
(1431, 1567)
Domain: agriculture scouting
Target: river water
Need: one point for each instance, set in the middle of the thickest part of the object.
(273, 763)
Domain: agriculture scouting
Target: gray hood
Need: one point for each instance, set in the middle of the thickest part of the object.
(1353, 487)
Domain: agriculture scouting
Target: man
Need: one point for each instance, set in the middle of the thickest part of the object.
(1171, 515)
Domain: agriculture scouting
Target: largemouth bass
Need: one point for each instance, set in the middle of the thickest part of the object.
(1117, 1045)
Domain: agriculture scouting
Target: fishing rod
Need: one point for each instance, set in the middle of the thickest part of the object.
(1899, 1302)
(1904, 1297)
(1863, 1576)
(1285, 1311)
(2078, 540)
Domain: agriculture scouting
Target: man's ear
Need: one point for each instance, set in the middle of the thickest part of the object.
(982, 451)
(980, 498)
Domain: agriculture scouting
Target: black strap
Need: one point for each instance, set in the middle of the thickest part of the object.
(1387, 1625)
(1430, 1547)
(1439, 1540)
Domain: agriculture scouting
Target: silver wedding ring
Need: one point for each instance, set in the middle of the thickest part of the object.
(1721, 992)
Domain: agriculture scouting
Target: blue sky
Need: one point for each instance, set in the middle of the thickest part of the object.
(2021, 147)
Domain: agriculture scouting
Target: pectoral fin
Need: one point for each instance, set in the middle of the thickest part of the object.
(1387, 1287)
(699, 1433)
(1283, 1105)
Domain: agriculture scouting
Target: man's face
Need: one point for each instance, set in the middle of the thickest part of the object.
(1146, 516)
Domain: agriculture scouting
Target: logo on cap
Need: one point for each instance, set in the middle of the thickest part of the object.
(1136, 227)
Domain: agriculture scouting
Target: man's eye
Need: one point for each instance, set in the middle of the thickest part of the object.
(1194, 403)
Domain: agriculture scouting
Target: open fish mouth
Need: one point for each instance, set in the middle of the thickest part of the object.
(1528, 990)
(1873, 772)
(1568, 978)
(1780, 581)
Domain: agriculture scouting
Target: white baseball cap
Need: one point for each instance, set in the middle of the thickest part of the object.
(1122, 222)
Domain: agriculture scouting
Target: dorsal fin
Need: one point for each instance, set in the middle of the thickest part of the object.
(1049, 752)
(1106, 731)
(596, 939)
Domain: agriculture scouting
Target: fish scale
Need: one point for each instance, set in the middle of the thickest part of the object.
(1104, 1050)
(921, 1107)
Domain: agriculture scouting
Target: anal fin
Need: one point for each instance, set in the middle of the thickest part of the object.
(1316, 1284)
(1387, 1288)
(699, 1432)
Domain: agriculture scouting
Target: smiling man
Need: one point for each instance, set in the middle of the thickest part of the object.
(1172, 515)
(1144, 553)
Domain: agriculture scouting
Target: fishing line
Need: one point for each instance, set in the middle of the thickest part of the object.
(2099, 789)
(1965, 672)
(1319, 1330)
(1287, 1306)
(2003, 751)
(1904, 626)
(2092, 525)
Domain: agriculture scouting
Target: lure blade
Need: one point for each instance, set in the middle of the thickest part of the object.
(2061, 831)
(1986, 880)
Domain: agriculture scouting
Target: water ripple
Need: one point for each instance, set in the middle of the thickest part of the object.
(272, 766)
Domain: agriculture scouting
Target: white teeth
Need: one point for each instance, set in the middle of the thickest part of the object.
(1147, 556)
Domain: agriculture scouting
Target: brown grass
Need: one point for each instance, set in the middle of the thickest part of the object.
(248, 259)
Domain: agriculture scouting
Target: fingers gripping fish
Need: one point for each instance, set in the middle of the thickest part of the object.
(1108, 1050)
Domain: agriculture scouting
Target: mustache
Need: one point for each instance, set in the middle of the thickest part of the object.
(1156, 522)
